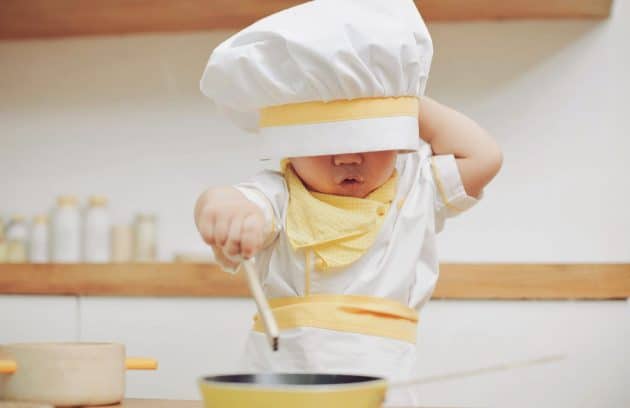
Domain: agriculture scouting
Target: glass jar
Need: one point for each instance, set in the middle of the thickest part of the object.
(17, 240)
(122, 243)
(3, 243)
(145, 238)
(39, 250)
(97, 226)
(66, 231)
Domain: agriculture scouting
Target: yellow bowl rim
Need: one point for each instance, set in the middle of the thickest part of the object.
(377, 381)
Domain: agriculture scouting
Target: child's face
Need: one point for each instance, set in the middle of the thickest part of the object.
(352, 174)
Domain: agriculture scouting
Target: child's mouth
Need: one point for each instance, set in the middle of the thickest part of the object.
(350, 181)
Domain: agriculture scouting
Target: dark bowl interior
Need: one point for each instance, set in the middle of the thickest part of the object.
(280, 379)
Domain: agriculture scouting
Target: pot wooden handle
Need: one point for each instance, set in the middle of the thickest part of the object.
(134, 363)
(8, 366)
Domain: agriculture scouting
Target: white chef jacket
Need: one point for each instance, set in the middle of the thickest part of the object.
(401, 265)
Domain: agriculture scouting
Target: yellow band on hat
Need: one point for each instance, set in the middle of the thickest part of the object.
(318, 112)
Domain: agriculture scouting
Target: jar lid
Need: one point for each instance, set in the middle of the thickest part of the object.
(67, 200)
(98, 201)
(40, 219)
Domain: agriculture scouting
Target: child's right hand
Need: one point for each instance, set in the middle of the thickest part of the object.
(230, 223)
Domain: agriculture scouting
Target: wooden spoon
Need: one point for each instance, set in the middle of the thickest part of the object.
(269, 321)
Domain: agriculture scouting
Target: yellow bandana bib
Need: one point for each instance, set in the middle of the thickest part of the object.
(338, 229)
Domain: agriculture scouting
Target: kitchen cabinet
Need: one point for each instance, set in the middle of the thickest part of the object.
(38, 318)
(591, 337)
(190, 338)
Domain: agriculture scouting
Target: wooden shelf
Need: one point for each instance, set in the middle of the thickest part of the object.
(46, 18)
(457, 281)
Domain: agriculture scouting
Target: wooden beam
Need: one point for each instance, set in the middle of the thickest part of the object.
(471, 10)
(159, 279)
(534, 281)
(60, 18)
(457, 281)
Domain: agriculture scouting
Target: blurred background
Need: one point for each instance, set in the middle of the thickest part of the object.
(122, 116)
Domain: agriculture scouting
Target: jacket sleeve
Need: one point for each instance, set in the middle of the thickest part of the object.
(451, 198)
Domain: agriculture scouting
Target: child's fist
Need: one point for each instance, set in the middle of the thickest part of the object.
(230, 223)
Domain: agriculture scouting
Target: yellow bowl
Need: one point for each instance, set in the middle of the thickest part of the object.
(292, 391)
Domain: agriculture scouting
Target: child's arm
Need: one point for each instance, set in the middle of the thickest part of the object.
(477, 155)
(229, 222)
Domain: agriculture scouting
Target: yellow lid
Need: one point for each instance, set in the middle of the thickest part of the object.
(40, 219)
(18, 218)
(67, 200)
(98, 201)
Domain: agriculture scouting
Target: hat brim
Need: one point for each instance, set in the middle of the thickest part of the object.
(339, 137)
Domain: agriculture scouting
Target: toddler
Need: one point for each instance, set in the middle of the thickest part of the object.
(344, 234)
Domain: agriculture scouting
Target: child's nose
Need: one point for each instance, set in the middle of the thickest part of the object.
(350, 158)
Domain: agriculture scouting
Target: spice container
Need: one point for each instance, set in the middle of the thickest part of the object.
(17, 240)
(3, 243)
(145, 238)
(39, 250)
(66, 231)
(97, 226)
(122, 243)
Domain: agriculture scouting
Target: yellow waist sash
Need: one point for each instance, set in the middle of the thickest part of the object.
(348, 313)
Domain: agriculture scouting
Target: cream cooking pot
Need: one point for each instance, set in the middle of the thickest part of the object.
(66, 374)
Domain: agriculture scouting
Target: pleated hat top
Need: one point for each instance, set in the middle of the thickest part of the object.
(325, 77)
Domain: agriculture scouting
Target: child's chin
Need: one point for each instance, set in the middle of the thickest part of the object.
(352, 189)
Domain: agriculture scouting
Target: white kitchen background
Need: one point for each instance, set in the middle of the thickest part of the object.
(123, 116)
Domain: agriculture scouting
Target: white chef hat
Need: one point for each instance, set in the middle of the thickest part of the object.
(326, 77)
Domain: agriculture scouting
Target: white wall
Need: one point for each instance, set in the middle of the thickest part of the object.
(123, 116)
